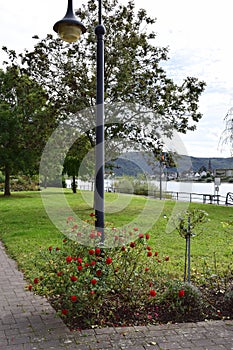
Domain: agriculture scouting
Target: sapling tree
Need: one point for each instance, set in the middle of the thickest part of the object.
(188, 225)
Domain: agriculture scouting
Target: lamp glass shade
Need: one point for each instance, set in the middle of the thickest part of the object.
(69, 32)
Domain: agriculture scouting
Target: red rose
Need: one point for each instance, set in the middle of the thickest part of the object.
(57, 249)
(98, 273)
(36, 280)
(93, 281)
(59, 273)
(123, 249)
(152, 293)
(92, 215)
(73, 278)
(147, 269)
(99, 234)
(97, 251)
(64, 312)
(92, 235)
(50, 248)
(148, 247)
(166, 258)
(147, 236)
(80, 260)
(141, 235)
(86, 264)
(92, 292)
(93, 263)
(135, 229)
(91, 252)
(132, 244)
(69, 259)
(79, 267)
(181, 293)
(156, 253)
(73, 298)
(149, 254)
(30, 287)
(108, 261)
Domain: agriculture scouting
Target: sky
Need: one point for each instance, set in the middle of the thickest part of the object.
(197, 32)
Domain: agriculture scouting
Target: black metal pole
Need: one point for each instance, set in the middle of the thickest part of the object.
(99, 153)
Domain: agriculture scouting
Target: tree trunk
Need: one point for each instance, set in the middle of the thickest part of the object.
(74, 186)
(7, 182)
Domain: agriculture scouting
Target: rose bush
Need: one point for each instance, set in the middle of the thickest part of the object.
(90, 285)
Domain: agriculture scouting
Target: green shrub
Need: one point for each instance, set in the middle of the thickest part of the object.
(182, 300)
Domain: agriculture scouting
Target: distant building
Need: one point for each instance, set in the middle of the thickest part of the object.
(223, 173)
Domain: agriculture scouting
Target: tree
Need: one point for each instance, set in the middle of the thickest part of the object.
(227, 135)
(74, 164)
(24, 123)
(133, 74)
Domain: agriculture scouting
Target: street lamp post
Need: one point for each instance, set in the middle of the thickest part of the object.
(70, 30)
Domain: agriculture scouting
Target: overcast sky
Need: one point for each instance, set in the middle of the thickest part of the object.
(199, 36)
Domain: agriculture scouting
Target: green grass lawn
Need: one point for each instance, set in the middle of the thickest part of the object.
(26, 228)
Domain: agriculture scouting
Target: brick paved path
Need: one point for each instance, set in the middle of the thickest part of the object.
(28, 322)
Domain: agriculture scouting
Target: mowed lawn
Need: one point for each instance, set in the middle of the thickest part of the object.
(26, 228)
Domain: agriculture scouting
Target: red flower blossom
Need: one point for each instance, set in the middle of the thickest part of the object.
(73, 298)
(79, 267)
(80, 260)
(91, 252)
(166, 258)
(30, 287)
(132, 244)
(97, 251)
(50, 248)
(59, 273)
(70, 218)
(92, 292)
(135, 229)
(57, 249)
(86, 264)
(152, 293)
(93, 281)
(147, 236)
(69, 259)
(92, 215)
(141, 235)
(123, 248)
(64, 312)
(147, 269)
(36, 280)
(92, 235)
(149, 254)
(73, 278)
(108, 261)
(93, 263)
(64, 240)
(98, 273)
(99, 234)
(181, 293)
(148, 247)
(156, 253)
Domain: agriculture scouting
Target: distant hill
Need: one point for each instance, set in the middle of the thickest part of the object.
(135, 163)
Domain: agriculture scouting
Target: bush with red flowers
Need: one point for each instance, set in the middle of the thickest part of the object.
(90, 285)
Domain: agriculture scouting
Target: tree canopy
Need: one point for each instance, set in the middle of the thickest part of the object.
(66, 74)
(24, 123)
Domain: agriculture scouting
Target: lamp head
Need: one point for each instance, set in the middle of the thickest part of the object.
(69, 28)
